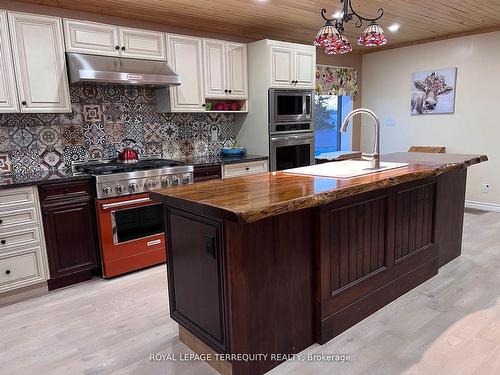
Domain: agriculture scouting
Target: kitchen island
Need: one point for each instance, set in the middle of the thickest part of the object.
(273, 263)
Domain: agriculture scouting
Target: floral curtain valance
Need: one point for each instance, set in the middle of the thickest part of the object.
(331, 80)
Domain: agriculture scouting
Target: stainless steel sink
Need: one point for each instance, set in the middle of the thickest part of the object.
(344, 169)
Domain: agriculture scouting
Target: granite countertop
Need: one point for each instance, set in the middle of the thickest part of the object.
(252, 198)
(205, 161)
(46, 177)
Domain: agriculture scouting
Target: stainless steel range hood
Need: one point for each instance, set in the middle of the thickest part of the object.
(116, 70)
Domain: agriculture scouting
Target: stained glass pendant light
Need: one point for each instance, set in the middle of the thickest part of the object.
(331, 35)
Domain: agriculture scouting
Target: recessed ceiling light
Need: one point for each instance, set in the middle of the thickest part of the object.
(394, 27)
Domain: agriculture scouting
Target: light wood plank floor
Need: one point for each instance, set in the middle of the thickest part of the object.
(448, 325)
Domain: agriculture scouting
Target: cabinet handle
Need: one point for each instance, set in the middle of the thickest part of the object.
(3, 242)
(7, 272)
(117, 48)
(123, 48)
(24, 102)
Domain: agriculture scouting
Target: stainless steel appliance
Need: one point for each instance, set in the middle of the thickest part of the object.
(290, 106)
(291, 128)
(291, 151)
(131, 226)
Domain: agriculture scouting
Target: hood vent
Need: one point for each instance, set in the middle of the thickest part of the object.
(116, 70)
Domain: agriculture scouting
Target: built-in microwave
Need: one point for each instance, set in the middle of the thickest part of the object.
(290, 106)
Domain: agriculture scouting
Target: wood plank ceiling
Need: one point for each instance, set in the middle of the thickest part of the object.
(299, 20)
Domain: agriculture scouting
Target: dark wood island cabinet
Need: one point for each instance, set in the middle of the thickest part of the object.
(273, 263)
(70, 231)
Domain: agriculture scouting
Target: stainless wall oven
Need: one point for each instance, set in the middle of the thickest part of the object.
(290, 106)
(291, 151)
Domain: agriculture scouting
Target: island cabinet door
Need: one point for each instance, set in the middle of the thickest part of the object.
(195, 274)
(374, 248)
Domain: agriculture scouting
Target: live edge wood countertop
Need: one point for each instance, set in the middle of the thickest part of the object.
(252, 198)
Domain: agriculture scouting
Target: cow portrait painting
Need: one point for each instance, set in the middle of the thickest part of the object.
(433, 92)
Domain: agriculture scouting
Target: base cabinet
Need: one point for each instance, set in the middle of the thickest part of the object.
(70, 235)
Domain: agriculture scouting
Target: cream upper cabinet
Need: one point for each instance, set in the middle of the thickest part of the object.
(225, 65)
(214, 63)
(39, 62)
(108, 40)
(142, 44)
(305, 64)
(185, 58)
(8, 91)
(292, 65)
(281, 66)
(91, 38)
(237, 71)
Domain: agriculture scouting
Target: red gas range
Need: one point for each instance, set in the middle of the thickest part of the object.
(131, 226)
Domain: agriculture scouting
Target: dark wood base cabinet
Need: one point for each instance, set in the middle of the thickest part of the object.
(281, 284)
(70, 232)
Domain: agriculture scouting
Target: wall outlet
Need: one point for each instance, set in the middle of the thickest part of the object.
(485, 188)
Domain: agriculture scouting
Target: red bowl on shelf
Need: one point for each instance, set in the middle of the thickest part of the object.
(219, 106)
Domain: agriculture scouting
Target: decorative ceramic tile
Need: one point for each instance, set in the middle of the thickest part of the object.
(76, 94)
(5, 163)
(135, 131)
(74, 153)
(115, 132)
(185, 132)
(52, 159)
(153, 149)
(200, 148)
(72, 135)
(111, 151)
(168, 132)
(112, 93)
(97, 152)
(200, 130)
(73, 118)
(93, 134)
(92, 113)
(171, 150)
(49, 136)
(130, 94)
(91, 94)
(4, 139)
(186, 148)
(152, 133)
(46, 119)
(113, 112)
(26, 161)
(22, 137)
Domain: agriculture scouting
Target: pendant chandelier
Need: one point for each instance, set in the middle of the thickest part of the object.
(331, 36)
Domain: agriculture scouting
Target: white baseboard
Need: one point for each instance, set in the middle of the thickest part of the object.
(482, 206)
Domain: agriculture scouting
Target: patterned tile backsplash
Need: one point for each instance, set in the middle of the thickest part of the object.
(102, 117)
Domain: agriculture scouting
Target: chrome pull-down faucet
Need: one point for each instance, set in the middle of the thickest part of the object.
(375, 156)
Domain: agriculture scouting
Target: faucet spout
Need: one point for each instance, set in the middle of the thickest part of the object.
(374, 157)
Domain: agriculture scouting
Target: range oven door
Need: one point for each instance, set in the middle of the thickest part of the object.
(291, 151)
(131, 231)
(290, 106)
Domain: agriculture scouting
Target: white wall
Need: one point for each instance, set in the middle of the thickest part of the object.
(475, 126)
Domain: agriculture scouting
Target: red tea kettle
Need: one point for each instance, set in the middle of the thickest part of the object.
(128, 154)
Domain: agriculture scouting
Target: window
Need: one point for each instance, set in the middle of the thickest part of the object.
(330, 111)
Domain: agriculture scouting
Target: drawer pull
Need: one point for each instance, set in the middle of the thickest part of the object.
(66, 191)
(7, 272)
(3, 242)
(247, 168)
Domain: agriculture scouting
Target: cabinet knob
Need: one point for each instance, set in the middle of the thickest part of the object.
(123, 48)
(1, 221)
(117, 48)
(66, 191)
(3, 242)
(7, 272)
(203, 105)
(230, 91)
(24, 102)
(225, 91)
(247, 168)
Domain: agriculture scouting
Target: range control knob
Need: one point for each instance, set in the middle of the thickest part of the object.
(106, 190)
(119, 189)
(175, 181)
(186, 180)
(164, 183)
(150, 184)
(133, 187)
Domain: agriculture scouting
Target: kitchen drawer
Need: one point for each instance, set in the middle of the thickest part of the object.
(20, 216)
(21, 236)
(10, 198)
(75, 189)
(245, 169)
(205, 173)
(21, 268)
